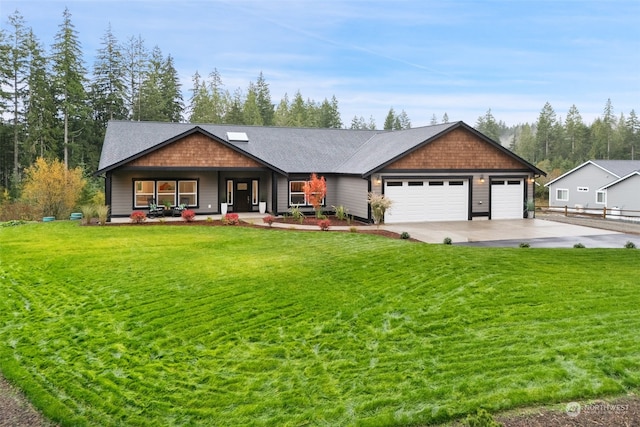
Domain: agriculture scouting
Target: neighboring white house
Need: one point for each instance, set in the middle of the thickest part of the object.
(598, 184)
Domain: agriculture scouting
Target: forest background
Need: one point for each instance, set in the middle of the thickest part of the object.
(53, 105)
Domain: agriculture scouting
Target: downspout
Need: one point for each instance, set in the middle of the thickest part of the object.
(108, 193)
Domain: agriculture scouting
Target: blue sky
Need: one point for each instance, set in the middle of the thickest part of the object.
(422, 56)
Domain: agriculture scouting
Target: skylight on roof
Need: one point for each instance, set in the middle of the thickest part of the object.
(237, 136)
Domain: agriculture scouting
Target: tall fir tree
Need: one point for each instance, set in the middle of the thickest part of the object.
(136, 58)
(108, 86)
(390, 119)
(488, 125)
(69, 77)
(17, 71)
(170, 90)
(545, 126)
(263, 99)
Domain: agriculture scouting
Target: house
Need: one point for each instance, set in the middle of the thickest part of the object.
(441, 172)
(598, 184)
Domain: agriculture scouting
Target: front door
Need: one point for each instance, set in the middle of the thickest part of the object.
(242, 201)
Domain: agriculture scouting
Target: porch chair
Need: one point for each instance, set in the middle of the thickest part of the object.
(154, 210)
(184, 202)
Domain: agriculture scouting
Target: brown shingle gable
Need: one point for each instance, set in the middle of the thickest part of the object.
(457, 149)
(195, 150)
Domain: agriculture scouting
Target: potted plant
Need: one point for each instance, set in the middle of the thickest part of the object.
(262, 206)
(531, 209)
(223, 206)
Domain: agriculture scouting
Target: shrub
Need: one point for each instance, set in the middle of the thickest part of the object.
(341, 212)
(12, 223)
(578, 246)
(324, 224)
(315, 189)
(379, 205)
(481, 419)
(524, 244)
(88, 212)
(268, 220)
(353, 229)
(630, 245)
(209, 219)
(138, 217)
(18, 210)
(52, 188)
(103, 212)
(447, 241)
(404, 235)
(296, 213)
(188, 215)
(231, 219)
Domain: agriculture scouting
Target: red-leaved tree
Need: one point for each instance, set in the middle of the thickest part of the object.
(315, 189)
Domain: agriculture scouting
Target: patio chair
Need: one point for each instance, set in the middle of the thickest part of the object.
(154, 210)
(184, 202)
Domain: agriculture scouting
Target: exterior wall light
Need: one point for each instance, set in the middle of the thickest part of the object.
(482, 179)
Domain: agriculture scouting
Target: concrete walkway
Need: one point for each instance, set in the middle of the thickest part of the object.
(510, 233)
(479, 232)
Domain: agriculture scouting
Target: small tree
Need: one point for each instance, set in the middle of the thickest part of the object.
(52, 188)
(379, 205)
(315, 189)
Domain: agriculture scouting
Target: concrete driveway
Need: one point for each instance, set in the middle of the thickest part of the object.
(512, 232)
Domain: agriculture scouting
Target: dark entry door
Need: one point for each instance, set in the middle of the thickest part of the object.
(243, 196)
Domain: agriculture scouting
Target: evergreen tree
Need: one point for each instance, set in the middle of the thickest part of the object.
(607, 122)
(281, 115)
(544, 132)
(487, 125)
(403, 121)
(41, 115)
(15, 73)
(235, 114)
(108, 87)
(200, 102)
(390, 120)
(358, 123)
(263, 99)
(135, 64)
(633, 126)
(171, 93)
(445, 118)
(250, 109)
(329, 114)
(69, 77)
(298, 113)
(434, 120)
(575, 132)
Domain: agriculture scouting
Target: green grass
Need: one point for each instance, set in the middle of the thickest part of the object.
(163, 325)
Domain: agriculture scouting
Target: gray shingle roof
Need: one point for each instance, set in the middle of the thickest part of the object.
(619, 167)
(288, 150)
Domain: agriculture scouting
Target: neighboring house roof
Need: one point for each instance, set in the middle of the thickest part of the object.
(617, 168)
(624, 178)
(286, 150)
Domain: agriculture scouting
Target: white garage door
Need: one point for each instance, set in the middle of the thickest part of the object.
(507, 198)
(427, 200)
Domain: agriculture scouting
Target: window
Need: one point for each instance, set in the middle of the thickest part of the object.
(165, 191)
(601, 197)
(416, 183)
(394, 183)
(188, 191)
(514, 182)
(583, 189)
(143, 192)
(254, 192)
(456, 183)
(562, 195)
(436, 183)
(296, 194)
(230, 191)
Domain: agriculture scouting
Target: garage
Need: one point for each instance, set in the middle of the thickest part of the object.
(418, 200)
(507, 198)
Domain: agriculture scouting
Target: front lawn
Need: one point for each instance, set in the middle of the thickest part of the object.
(165, 325)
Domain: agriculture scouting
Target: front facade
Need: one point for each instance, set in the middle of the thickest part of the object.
(590, 186)
(434, 173)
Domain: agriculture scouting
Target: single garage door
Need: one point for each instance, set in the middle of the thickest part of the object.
(427, 200)
(507, 198)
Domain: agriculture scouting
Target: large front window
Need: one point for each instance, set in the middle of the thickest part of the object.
(165, 191)
(296, 194)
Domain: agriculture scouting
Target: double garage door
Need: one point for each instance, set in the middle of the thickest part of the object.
(420, 200)
(427, 200)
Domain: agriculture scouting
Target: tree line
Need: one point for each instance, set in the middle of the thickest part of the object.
(52, 106)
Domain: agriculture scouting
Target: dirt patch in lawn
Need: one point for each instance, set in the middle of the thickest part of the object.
(15, 409)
